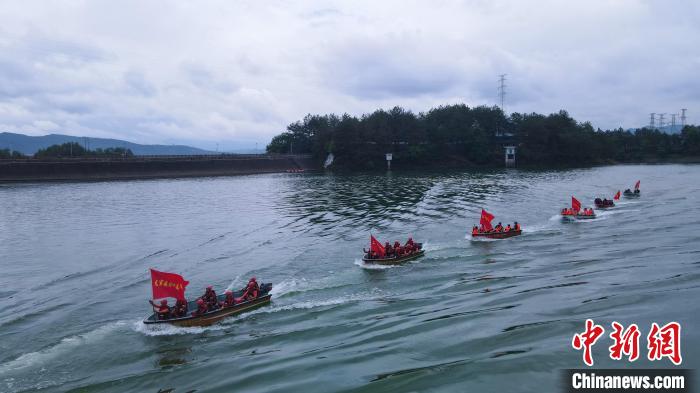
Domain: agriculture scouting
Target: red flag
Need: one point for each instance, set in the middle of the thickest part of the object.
(636, 185)
(575, 204)
(485, 221)
(617, 196)
(168, 285)
(376, 246)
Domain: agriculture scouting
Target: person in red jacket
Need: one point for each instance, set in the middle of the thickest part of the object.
(180, 309)
(163, 310)
(251, 292)
(229, 300)
(201, 308)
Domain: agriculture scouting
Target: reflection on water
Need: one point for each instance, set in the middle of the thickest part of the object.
(494, 315)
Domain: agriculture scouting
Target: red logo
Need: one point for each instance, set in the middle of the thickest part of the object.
(665, 342)
(626, 342)
(662, 342)
(586, 340)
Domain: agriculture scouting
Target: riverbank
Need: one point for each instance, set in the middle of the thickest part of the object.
(147, 167)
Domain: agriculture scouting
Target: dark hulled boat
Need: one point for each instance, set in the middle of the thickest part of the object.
(211, 317)
(499, 235)
(603, 203)
(632, 194)
(396, 260)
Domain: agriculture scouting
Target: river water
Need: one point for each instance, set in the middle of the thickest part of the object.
(470, 315)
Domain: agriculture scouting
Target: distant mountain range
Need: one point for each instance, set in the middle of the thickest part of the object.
(30, 144)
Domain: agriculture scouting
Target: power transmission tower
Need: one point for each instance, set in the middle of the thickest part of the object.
(651, 120)
(673, 121)
(683, 117)
(661, 120)
(502, 90)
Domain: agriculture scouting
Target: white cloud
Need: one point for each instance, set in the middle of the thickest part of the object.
(222, 71)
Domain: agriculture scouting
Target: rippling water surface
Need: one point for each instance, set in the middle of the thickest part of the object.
(470, 315)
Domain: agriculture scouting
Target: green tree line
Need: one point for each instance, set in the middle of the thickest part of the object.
(455, 135)
(8, 154)
(73, 149)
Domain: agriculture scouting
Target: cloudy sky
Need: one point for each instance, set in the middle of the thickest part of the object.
(237, 72)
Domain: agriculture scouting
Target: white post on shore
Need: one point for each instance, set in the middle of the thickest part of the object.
(388, 161)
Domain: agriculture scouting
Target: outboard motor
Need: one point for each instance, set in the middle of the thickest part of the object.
(265, 288)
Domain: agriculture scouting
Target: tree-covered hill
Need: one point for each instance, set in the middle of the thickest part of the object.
(457, 135)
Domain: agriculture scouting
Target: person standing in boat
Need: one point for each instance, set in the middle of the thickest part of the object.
(163, 310)
(517, 226)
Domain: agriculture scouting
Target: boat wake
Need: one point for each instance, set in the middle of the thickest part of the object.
(536, 229)
(170, 330)
(373, 266)
(67, 344)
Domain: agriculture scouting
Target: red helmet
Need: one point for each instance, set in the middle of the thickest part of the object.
(210, 287)
(252, 279)
(200, 301)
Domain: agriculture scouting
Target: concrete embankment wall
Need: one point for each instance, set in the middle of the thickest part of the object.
(149, 167)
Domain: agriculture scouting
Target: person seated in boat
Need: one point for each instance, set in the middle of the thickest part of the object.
(564, 212)
(598, 201)
(229, 300)
(507, 228)
(163, 310)
(210, 299)
(251, 292)
(636, 190)
(201, 308)
(180, 309)
(628, 191)
(499, 227)
(255, 283)
(517, 226)
(388, 249)
(410, 244)
(475, 230)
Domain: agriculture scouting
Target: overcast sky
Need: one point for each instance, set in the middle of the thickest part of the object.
(237, 72)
